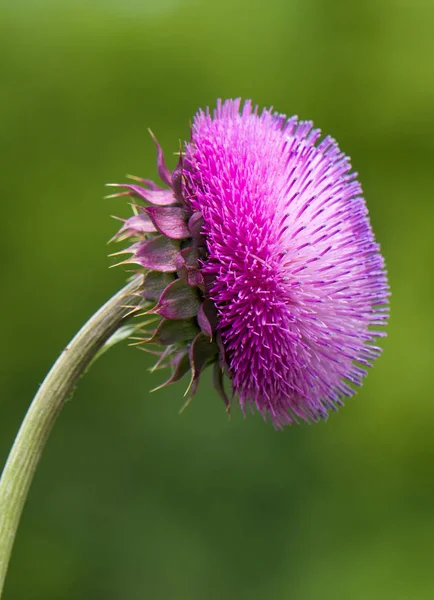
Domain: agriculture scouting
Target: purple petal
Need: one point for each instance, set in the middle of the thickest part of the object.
(177, 181)
(222, 354)
(188, 258)
(180, 365)
(218, 384)
(147, 182)
(202, 352)
(195, 279)
(178, 301)
(195, 225)
(141, 223)
(159, 197)
(170, 221)
(207, 318)
(188, 266)
(156, 195)
(158, 254)
(163, 171)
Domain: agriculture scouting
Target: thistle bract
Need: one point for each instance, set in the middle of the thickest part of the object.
(261, 260)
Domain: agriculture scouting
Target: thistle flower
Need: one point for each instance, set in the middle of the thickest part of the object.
(261, 260)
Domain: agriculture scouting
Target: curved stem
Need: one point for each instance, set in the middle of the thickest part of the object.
(46, 406)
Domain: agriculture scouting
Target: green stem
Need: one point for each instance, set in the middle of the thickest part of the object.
(46, 406)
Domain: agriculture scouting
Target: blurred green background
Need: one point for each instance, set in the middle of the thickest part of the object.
(131, 500)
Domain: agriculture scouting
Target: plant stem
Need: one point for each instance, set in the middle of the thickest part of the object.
(57, 387)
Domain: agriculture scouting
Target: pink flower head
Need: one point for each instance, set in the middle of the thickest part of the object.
(282, 256)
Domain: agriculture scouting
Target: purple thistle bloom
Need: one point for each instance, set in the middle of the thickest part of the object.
(277, 263)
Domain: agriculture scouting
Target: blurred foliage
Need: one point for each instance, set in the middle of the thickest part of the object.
(132, 500)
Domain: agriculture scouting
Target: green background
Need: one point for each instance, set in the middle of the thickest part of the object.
(131, 500)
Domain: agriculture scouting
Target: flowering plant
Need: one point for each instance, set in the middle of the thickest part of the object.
(256, 258)
(261, 260)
